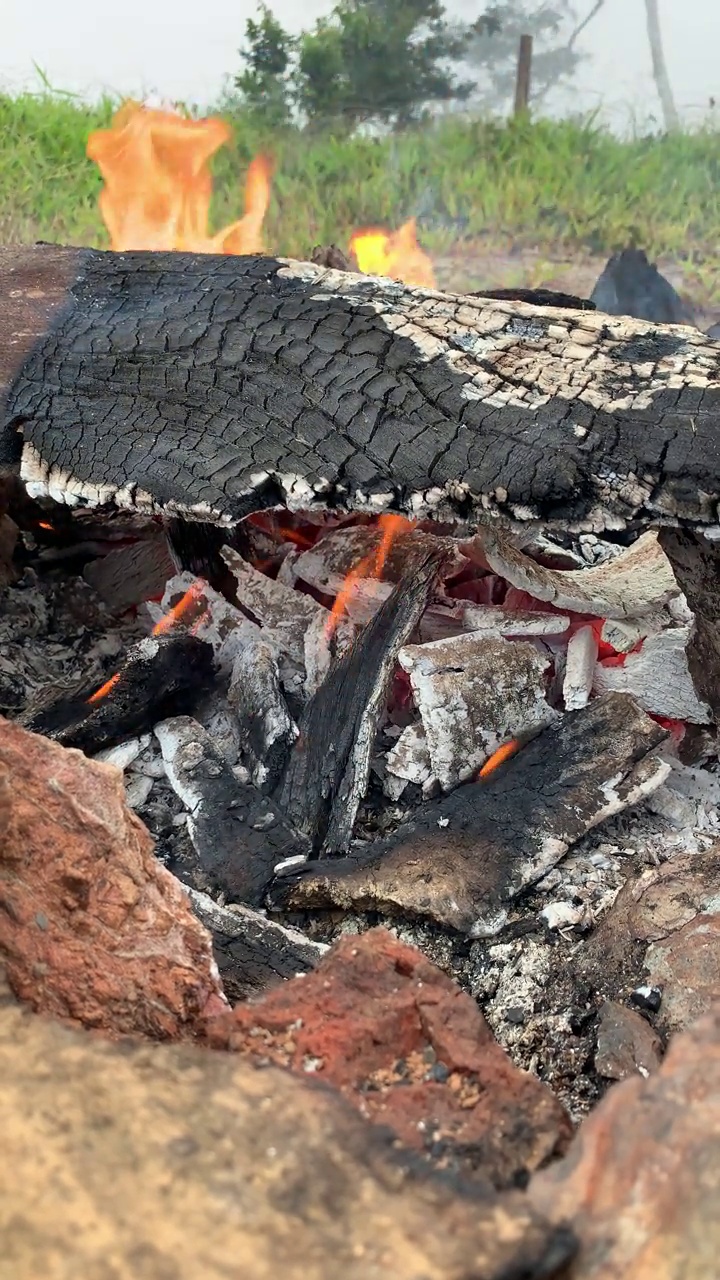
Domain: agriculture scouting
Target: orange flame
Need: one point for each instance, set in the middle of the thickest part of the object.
(371, 566)
(158, 186)
(178, 613)
(498, 757)
(396, 254)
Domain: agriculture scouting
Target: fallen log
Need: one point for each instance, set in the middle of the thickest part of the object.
(212, 386)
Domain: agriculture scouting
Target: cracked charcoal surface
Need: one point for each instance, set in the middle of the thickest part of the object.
(223, 384)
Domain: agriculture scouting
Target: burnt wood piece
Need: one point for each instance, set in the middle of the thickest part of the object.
(252, 952)
(537, 298)
(238, 834)
(329, 763)
(463, 859)
(629, 285)
(265, 726)
(161, 675)
(213, 386)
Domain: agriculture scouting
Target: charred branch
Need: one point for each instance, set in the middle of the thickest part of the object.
(213, 386)
(161, 676)
(328, 769)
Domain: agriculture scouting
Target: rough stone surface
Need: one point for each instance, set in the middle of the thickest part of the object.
(411, 1051)
(166, 1162)
(626, 1043)
(641, 1182)
(686, 965)
(92, 927)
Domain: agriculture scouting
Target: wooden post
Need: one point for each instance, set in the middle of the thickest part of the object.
(522, 80)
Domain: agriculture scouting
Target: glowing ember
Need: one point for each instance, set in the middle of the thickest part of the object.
(396, 254)
(158, 185)
(498, 757)
(179, 613)
(371, 565)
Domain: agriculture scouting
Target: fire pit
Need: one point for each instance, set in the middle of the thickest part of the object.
(392, 607)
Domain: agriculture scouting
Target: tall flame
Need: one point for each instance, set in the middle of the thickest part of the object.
(371, 565)
(396, 254)
(158, 185)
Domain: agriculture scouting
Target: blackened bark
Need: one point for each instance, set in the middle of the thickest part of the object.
(212, 386)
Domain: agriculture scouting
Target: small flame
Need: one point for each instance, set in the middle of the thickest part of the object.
(396, 254)
(498, 757)
(371, 565)
(43, 524)
(104, 689)
(158, 186)
(178, 613)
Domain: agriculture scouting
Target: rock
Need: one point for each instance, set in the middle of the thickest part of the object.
(92, 927)
(641, 1182)
(648, 909)
(151, 1162)
(411, 1051)
(626, 1043)
(687, 967)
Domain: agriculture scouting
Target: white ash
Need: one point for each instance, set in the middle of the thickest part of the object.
(232, 919)
(137, 790)
(409, 761)
(659, 678)
(473, 693)
(123, 755)
(580, 660)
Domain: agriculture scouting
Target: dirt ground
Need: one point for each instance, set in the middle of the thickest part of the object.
(477, 265)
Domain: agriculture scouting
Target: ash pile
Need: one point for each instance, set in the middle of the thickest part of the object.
(476, 735)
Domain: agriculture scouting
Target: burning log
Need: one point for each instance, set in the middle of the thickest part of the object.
(161, 675)
(239, 835)
(462, 860)
(214, 386)
(329, 765)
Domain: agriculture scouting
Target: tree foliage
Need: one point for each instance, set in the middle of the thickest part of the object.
(388, 62)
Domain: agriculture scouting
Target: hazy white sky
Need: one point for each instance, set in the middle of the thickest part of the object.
(183, 49)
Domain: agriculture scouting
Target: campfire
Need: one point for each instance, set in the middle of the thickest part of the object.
(389, 605)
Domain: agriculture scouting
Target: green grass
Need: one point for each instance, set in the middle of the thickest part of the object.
(558, 186)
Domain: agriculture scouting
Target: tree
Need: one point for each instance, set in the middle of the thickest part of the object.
(492, 50)
(381, 61)
(265, 83)
(660, 72)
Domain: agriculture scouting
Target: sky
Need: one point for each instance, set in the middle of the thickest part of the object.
(185, 49)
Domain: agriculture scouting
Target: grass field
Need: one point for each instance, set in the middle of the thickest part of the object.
(564, 186)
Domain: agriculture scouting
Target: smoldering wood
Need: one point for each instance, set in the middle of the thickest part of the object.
(238, 834)
(659, 676)
(266, 728)
(213, 386)
(132, 574)
(696, 564)
(160, 676)
(580, 660)
(639, 579)
(463, 859)
(473, 692)
(252, 952)
(329, 764)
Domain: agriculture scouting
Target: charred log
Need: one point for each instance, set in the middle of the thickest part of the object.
(630, 285)
(211, 386)
(464, 859)
(329, 765)
(239, 835)
(161, 676)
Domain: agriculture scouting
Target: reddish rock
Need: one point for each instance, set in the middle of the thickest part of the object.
(686, 965)
(641, 1182)
(626, 1043)
(92, 928)
(410, 1050)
